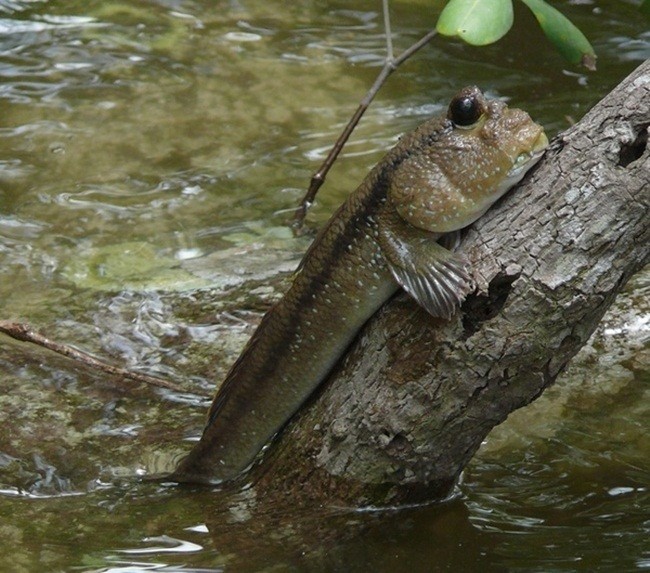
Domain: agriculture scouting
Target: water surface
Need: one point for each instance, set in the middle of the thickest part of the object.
(150, 156)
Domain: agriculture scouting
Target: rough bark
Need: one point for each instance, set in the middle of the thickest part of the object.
(406, 410)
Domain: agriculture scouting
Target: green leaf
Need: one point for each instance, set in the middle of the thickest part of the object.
(568, 40)
(477, 22)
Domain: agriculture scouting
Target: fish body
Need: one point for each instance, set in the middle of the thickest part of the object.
(387, 235)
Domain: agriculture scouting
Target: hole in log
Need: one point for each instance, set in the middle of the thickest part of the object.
(400, 443)
(630, 152)
(480, 308)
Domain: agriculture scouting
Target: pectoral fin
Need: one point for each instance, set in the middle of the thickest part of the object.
(437, 278)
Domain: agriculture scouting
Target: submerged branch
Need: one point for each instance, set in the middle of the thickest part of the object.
(24, 333)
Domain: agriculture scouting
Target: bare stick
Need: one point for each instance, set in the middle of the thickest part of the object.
(389, 34)
(390, 65)
(24, 333)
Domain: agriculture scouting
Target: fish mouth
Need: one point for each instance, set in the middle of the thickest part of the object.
(541, 143)
(525, 161)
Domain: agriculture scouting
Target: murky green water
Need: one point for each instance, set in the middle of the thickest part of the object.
(150, 154)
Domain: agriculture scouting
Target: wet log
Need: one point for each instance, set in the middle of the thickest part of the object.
(408, 407)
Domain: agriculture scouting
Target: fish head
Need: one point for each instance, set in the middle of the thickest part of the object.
(457, 166)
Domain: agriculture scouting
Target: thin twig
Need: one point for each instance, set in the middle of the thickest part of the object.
(390, 65)
(24, 333)
(389, 34)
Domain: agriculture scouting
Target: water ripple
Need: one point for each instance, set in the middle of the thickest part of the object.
(171, 545)
(10, 26)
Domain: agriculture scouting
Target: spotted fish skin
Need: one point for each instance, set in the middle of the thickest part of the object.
(385, 236)
(342, 280)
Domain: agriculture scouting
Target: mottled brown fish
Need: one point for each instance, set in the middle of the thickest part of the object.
(435, 181)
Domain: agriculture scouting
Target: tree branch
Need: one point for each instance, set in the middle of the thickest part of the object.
(24, 333)
(390, 65)
(400, 418)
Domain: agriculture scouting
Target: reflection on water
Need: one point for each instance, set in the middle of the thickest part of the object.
(150, 156)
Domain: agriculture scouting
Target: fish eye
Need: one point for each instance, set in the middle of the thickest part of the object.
(465, 110)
